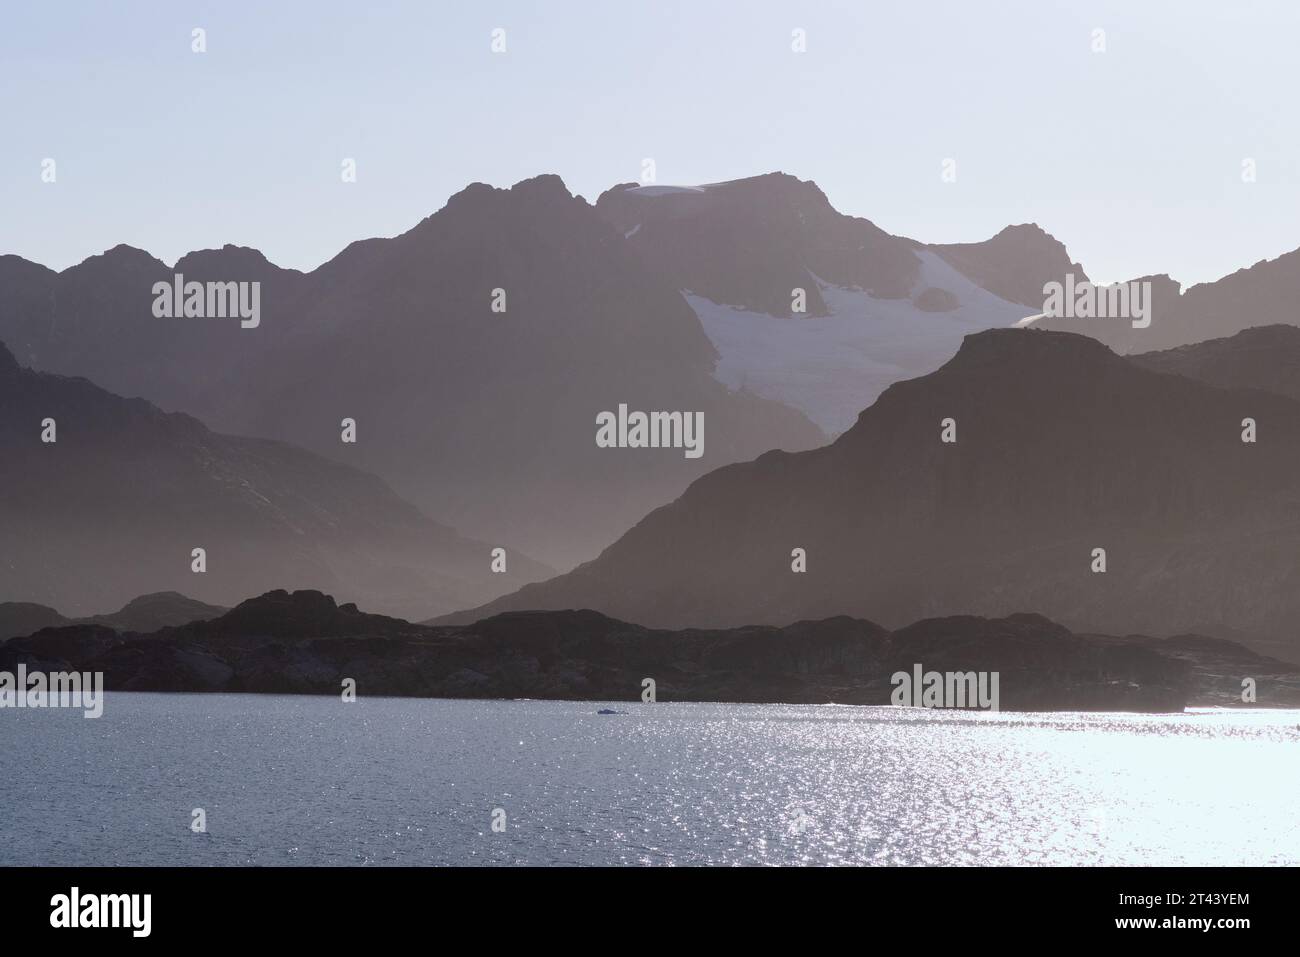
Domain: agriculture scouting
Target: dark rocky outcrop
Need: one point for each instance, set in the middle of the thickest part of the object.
(59, 648)
(1220, 668)
(303, 642)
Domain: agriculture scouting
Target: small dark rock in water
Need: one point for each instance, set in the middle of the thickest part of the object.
(610, 711)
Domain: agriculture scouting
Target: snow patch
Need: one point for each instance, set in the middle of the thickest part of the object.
(650, 192)
(831, 368)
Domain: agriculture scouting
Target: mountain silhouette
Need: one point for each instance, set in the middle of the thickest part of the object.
(1062, 447)
(1015, 264)
(485, 419)
(144, 614)
(1265, 357)
(748, 242)
(115, 506)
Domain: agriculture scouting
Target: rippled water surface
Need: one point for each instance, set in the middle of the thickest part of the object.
(305, 780)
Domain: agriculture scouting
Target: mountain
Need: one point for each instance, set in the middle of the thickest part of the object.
(748, 242)
(1062, 447)
(1262, 295)
(1015, 264)
(24, 617)
(878, 308)
(160, 610)
(483, 418)
(95, 320)
(1265, 357)
(654, 297)
(144, 614)
(304, 643)
(1219, 667)
(115, 506)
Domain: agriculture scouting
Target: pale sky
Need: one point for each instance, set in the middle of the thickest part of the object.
(1132, 157)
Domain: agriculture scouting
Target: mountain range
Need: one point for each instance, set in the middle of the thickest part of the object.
(484, 419)
(662, 298)
(475, 351)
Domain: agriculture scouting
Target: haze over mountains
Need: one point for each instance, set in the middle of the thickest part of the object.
(660, 298)
(663, 298)
(484, 419)
(1062, 447)
(114, 507)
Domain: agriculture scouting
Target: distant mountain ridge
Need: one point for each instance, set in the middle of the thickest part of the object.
(117, 503)
(1264, 294)
(144, 614)
(1264, 357)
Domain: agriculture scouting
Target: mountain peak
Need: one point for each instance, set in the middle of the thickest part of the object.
(305, 613)
(1013, 346)
(544, 188)
(1015, 263)
(229, 259)
(121, 256)
(749, 242)
(1023, 230)
(8, 364)
(481, 204)
(548, 185)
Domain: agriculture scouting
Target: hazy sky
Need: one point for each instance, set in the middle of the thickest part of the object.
(1132, 157)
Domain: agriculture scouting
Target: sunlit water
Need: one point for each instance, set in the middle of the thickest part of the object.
(308, 780)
